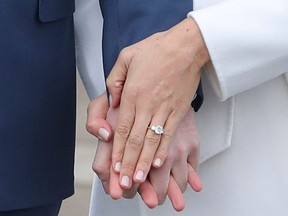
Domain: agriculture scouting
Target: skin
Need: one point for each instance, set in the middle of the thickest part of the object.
(171, 179)
(156, 80)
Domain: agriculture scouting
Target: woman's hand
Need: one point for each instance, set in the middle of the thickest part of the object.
(181, 165)
(156, 80)
(171, 179)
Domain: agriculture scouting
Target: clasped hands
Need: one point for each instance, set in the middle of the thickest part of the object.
(154, 82)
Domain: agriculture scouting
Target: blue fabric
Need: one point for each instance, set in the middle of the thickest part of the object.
(128, 21)
(50, 10)
(45, 210)
(37, 103)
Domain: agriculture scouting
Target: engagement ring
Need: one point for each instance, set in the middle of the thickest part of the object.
(158, 129)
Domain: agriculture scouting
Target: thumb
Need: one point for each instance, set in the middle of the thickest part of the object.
(96, 118)
(117, 77)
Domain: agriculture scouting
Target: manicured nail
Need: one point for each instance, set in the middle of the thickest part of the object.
(125, 181)
(103, 133)
(157, 162)
(117, 166)
(110, 99)
(139, 175)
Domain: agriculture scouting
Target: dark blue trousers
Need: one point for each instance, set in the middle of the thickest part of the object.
(37, 102)
(46, 210)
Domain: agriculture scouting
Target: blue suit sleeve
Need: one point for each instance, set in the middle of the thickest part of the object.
(129, 21)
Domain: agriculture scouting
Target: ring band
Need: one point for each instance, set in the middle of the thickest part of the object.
(158, 129)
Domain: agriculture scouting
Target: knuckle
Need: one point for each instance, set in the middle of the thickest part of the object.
(99, 169)
(124, 53)
(91, 127)
(162, 152)
(144, 164)
(132, 91)
(196, 146)
(168, 134)
(123, 130)
(135, 141)
(197, 143)
(182, 105)
(113, 83)
(117, 157)
(109, 82)
(127, 169)
(152, 139)
(193, 146)
(181, 150)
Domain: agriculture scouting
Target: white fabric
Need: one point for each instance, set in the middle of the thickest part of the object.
(247, 40)
(250, 178)
(88, 35)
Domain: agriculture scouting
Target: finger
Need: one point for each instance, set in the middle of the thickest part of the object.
(159, 179)
(193, 179)
(192, 165)
(151, 143)
(171, 125)
(133, 149)
(102, 163)
(96, 123)
(175, 195)
(123, 127)
(180, 173)
(105, 185)
(148, 194)
(114, 188)
(163, 148)
(117, 77)
(193, 157)
(131, 192)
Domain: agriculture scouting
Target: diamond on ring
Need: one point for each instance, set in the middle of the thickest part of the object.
(158, 129)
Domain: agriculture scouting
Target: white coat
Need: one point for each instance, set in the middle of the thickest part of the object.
(245, 111)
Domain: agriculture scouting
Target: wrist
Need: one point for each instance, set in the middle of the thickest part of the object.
(191, 41)
(197, 43)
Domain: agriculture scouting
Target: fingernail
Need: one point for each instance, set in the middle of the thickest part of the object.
(117, 166)
(139, 175)
(103, 133)
(125, 181)
(110, 99)
(157, 162)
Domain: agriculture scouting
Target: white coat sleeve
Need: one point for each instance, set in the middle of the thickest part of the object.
(247, 41)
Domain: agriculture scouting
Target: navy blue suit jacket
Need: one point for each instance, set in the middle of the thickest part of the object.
(37, 102)
(127, 22)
